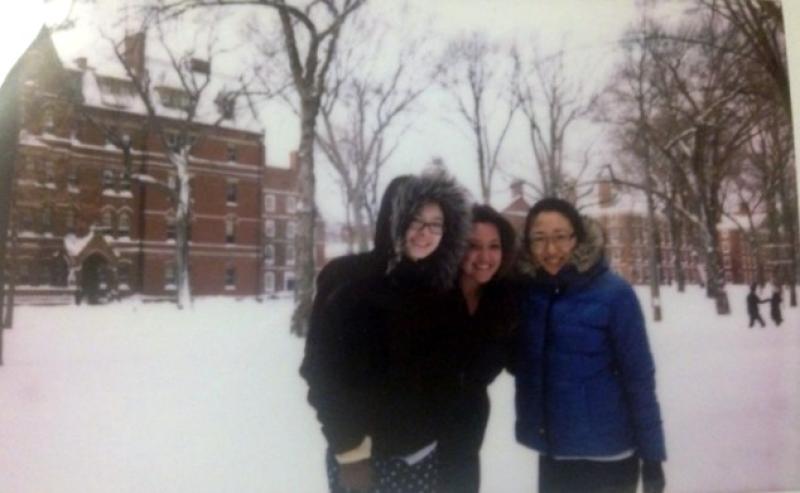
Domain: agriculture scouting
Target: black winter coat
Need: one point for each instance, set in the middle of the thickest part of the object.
(481, 348)
(385, 370)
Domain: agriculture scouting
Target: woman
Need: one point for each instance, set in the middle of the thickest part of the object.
(382, 375)
(585, 375)
(775, 305)
(483, 314)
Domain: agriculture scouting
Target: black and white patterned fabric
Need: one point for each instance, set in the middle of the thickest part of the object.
(392, 475)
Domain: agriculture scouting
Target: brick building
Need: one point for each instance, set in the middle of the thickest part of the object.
(82, 223)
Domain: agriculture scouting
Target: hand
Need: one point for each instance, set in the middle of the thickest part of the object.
(356, 475)
(652, 477)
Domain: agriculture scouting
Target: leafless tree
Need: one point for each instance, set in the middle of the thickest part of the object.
(551, 103)
(478, 76)
(176, 101)
(365, 113)
(310, 41)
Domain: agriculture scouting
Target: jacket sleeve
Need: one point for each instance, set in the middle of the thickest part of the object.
(334, 367)
(637, 369)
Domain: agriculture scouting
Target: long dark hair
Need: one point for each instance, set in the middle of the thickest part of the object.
(554, 204)
(486, 214)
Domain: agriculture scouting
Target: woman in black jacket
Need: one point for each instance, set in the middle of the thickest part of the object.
(484, 314)
(382, 375)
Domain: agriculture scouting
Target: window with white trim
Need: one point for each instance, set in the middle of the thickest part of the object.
(269, 282)
(269, 228)
(269, 203)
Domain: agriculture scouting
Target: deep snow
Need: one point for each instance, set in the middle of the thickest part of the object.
(135, 397)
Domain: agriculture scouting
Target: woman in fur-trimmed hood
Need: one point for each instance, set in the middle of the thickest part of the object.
(382, 375)
(585, 376)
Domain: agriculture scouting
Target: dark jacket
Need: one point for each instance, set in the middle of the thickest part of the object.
(480, 349)
(381, 367)
(752, 304)
(585, 376)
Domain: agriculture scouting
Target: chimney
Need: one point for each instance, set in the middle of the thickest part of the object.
(135, 52)
(605, 194)
(81, 62)
(516, 189)
(200, 66)
(294, 161)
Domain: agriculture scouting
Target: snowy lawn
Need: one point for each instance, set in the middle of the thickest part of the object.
(138, 398)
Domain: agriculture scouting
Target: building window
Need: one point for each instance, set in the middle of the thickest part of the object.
(169, 275)
(290, 255)
(269, 228)
(108, 179)
(230, 230)
(291, 229)
(232, 152)
(124, 224)
(72, 176)
(26, 220)
(69, 220)
(47, 219)
(291, 204)
(23, 274)
(30, 169)
(124, 275)
(125, 181)
(269, 282)
(48, 120)
(231, 192)
(49, 173)
(269, 203)
(170, 227)
(106, 221)
(288, 281)
(269, 254)
(230, 277)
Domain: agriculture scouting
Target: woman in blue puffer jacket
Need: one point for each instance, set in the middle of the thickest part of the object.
(585, 377)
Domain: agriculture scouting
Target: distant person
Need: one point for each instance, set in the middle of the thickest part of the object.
(775, 305)
(585, 376)
(752, 306)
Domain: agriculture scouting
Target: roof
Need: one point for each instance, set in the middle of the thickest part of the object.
(105, 84)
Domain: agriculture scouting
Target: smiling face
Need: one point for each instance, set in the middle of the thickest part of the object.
(425, 231)
(484, 254)
(552, 240)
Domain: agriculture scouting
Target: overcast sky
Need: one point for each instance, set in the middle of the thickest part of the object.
(587, 30)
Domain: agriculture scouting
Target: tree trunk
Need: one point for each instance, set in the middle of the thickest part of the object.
(789, 207)
(652, 241)
(677, 248)
(307, 211)
(181, 163)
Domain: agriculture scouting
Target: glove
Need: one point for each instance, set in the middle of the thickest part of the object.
(356, 476)
(652, 477)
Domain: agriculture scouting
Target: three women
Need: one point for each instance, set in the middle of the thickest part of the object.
(403, 358)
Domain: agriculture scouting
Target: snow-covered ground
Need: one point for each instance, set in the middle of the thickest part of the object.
(136, 397)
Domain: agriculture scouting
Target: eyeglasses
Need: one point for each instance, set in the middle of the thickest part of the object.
(560, 241)
(417, 225)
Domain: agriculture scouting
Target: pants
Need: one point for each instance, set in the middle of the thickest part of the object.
(586, 476)
(754, 317)
(461, 474)
(392, 475)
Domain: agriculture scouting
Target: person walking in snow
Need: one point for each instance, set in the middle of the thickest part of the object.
(484, 316)
(381, 376)
(775, 305)
(585, 377)
(752, 306)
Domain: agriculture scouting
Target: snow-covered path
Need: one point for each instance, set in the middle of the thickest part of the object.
(144, 398)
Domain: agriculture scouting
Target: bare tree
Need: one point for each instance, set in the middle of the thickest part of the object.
(310, 42)
(176, 103)
(476, 80)
(365, 114)
(551, 103)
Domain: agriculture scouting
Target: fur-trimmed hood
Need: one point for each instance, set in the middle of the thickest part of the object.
(585, 256)
(439, 187)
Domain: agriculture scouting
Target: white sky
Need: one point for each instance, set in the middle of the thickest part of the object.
(587, 29)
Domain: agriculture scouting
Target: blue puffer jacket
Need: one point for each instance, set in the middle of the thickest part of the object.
(585, 377)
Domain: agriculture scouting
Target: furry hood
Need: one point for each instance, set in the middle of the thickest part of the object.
(586, 254)
(433, 186)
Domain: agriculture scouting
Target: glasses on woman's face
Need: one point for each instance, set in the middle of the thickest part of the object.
(434, 228)
(561, 241)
